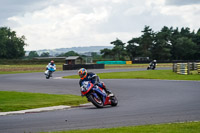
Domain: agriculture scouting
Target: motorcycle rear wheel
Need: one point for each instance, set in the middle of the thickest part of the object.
(96, 101)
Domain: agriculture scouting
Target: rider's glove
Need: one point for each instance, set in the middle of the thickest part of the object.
(95, 84)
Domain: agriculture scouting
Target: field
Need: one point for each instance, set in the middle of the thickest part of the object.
(14, 101)
(136, 65)
(187, 127)
(9, 69)
(147, 74)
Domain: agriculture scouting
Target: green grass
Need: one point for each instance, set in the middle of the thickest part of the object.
(150, 74)
(15, 72)
(12, 69)
(187, 127)
(145, 65)
(13, 101)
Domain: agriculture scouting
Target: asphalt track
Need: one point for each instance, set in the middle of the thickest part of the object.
(141, 101)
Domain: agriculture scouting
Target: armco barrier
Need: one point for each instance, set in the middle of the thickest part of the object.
(111, 62)
(128, 62)
(87, 66)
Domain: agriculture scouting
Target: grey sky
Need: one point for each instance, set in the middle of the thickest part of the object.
(182, 2)
(71, 23)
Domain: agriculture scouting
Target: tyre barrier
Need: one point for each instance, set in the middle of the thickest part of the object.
(182, 68)
(198, 68)
(186, 68)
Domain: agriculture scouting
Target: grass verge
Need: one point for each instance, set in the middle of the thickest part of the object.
(151, 74)
(14, 101)
(145, 65)
(12, 69)
(187, 127)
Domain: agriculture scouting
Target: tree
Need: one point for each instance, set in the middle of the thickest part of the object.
(146, 41)
(184, 44)
(162, 47)
(45, 54)
(95, 55)
(185, 49)
(11, 46)
(119, 49)
(69, 53)
(196, 40)
(133, 49)
(33, 54)
(141, 46)
(107, 53)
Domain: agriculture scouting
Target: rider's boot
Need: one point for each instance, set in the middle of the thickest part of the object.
(109, 93)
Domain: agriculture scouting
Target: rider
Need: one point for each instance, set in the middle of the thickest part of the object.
(51, 64)
(89, 76)
(153, 63)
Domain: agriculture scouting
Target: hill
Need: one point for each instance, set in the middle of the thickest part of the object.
(80, 50)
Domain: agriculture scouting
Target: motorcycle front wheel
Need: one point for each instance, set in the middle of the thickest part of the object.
(96, 101)
(114, 101)
(47, 77)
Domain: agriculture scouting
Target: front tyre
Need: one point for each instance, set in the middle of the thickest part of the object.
(114, 101)
(96, 101)
(47, 77)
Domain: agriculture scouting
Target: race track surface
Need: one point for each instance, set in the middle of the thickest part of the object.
(141, 101)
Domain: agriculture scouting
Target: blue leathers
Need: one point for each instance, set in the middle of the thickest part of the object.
(94, 80)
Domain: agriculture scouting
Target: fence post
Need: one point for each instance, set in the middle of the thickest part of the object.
(188, 68)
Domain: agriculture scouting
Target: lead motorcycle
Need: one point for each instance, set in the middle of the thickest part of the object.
(49, 72)
(97, 95)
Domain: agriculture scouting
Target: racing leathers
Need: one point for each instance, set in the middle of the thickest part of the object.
(51, 65)
(94, 79)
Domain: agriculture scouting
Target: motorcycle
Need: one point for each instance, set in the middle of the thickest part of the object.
(97, 95)
(49, 72)
(151, 66)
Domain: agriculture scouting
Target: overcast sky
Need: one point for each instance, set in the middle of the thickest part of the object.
(71, 23)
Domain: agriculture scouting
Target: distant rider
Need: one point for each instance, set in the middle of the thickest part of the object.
(51, 65)
(89, 76)
(153, 63)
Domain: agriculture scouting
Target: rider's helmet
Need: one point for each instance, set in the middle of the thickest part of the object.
(52, 62)
(154, 60)
(82, 73)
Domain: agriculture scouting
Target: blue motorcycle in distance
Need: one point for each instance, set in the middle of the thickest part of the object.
(49, 72)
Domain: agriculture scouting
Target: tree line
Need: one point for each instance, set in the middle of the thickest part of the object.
(166, 44)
